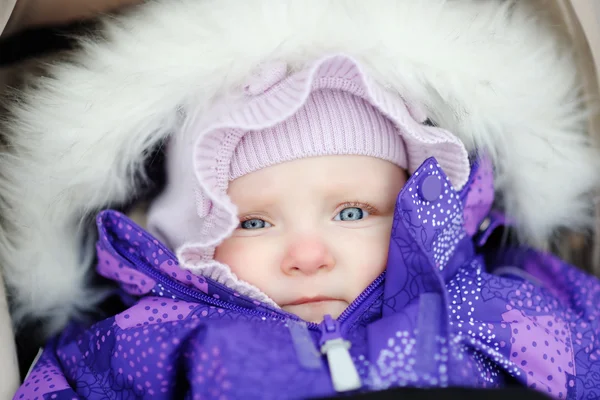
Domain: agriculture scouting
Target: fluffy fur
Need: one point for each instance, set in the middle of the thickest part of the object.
(489, 71)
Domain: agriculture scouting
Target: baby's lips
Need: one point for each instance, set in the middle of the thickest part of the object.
(306, 300)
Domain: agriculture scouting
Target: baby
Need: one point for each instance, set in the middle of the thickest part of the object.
(316, 232)
(315, 193)
(327, 239)
(311, 238)
(315, 198)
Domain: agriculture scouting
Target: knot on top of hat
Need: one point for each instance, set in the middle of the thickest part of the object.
(265, 77)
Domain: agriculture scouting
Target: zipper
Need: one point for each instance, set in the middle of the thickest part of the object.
(180, 289)
(344, 375)
(357, 303)
(343, 372)
(176, 287)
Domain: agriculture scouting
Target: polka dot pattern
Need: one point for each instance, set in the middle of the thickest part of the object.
(131, 280)
(479, 195)
(46, 377)
(153, 310)
(172, 269)
(395, 364)
(488, 340)
(440, 221)
(546, 363)
(121, 240)
(482, 327)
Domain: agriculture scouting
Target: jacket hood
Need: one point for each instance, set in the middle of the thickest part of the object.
(79, 137)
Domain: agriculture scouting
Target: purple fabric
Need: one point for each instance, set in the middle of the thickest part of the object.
(438, 317)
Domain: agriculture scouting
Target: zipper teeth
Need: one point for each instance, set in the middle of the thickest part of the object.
(363, 296)
(177, 287)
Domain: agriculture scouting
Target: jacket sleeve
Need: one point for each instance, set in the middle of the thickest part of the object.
(70, 366)
(572, 323)
(46, 380)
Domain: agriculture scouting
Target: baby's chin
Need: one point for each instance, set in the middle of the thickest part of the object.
(314, 312)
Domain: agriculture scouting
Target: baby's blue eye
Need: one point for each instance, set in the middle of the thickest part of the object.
(351, 214)
(255, 223)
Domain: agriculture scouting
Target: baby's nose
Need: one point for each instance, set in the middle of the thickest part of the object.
(307, 256)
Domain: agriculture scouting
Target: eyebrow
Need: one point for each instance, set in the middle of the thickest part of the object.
(247, 202)
(347, 189)
(352, 187)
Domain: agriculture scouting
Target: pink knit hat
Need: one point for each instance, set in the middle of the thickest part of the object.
(330, 122)
(332, 107)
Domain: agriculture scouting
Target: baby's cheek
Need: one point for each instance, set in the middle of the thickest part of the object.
(247, 258)
(375, 260)
(233, 252)
(365, 259)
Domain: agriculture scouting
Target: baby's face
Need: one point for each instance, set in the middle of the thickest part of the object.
(314, 233)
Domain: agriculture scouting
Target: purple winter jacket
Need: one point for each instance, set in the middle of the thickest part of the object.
(448, 311)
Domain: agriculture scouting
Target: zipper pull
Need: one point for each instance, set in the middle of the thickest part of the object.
(344, 375)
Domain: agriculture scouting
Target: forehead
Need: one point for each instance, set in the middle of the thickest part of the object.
(336, 174)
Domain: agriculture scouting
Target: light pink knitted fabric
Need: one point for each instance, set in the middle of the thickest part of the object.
(330, 122)
(199, 159)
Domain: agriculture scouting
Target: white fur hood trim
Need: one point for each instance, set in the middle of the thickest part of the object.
(489, 71)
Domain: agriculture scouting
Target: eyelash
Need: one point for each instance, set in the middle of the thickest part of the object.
(251, 217)
(358, 204)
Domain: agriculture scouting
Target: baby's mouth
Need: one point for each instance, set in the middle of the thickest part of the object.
(312, 309)
(308, 300)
